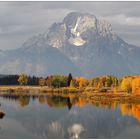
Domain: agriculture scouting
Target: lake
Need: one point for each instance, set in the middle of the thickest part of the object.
(69, 117)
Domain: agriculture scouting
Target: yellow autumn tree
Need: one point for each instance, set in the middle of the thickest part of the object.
(82, 82)
(23, 79)
(126, 84)
(73, 83)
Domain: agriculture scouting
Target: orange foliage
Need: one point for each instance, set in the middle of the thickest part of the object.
(126, 84)
(82, 82)
(136, 85)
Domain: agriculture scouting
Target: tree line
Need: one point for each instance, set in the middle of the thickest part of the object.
(14, 80)
(23, 79)
(126, 83)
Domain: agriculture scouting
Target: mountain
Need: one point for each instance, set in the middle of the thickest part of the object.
(34, 60)
(81, 44)
(93, 46)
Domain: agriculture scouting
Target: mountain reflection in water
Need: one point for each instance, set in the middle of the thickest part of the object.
(68, 117)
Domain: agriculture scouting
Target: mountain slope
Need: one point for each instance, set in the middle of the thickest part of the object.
(33, 61)
(81, 44)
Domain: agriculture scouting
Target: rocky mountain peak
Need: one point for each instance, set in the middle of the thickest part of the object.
(80, 22)
(78, 29)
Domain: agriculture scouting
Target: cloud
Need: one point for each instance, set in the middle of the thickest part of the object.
(124, 20)
(24, 19)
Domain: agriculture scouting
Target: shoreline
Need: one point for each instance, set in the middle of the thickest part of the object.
(38, 89)
(67, 92)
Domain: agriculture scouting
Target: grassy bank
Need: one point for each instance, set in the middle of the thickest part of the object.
(37, 90)
(90, 93)
(121, 97)
(46, 89)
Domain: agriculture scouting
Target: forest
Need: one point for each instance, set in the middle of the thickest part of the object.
(129, 84)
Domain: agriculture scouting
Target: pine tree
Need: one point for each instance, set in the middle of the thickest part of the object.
(69, 79)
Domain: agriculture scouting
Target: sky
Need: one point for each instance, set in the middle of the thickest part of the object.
(20, 21)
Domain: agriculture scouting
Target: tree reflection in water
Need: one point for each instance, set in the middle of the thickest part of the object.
(131, 109)
(24, 101)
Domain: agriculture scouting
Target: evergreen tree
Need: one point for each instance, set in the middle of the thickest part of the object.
(69, 79)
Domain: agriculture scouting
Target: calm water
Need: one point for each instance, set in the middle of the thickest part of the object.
(57, 117)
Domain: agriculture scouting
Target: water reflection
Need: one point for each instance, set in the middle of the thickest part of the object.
(67, 117)
(55, 130)
(131, 109)
(62, 102)
(75, 130)
(24, 101)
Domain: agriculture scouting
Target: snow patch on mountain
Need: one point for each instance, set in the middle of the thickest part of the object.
(78, 41)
